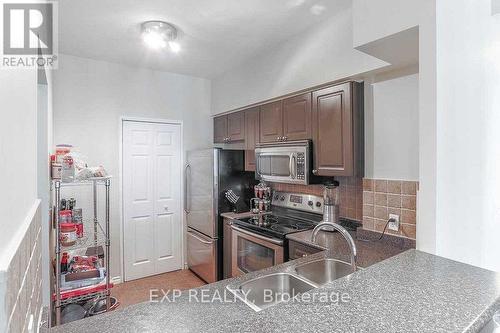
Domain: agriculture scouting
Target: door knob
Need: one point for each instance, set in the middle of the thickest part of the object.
(315, 172)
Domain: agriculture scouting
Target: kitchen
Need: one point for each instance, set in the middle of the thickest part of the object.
(255, 167)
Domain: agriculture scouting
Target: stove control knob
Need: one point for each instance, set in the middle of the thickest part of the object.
(318, 204)
(282, 198)
(310, 203)
(276, 197)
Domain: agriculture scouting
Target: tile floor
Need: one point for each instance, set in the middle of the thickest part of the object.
(137, 291)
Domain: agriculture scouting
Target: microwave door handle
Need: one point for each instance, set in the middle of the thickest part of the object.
(293, 166)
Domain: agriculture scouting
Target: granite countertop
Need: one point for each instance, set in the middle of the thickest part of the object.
(410, 292)
(370, 249)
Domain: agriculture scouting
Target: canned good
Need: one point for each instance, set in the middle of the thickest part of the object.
(65, 216)
(78, 221)
(61, 151)
(56, 171)
(67, 235)
(68, 169)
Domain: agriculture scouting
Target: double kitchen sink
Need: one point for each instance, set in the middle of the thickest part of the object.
(268, 290)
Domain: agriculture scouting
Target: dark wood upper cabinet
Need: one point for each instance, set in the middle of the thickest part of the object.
(220, 129)
(252, 127)
(271, 122)
(249, 160)
(236, 126)
(251, 137)
(336, 129)
(332, 117)
(297, 117)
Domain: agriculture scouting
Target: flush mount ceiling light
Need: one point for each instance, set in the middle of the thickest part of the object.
(159, 35)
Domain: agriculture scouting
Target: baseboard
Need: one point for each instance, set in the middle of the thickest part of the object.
(116, 280)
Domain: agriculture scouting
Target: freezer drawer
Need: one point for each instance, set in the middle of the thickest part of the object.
(202, 255)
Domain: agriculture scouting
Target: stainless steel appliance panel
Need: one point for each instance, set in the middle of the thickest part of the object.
(252, 252)
(202, 255)
(284, 162)
(200, 200)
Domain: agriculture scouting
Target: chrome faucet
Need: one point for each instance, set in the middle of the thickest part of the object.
(344, 233)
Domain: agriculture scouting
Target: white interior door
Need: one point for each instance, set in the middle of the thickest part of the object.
(151, 198)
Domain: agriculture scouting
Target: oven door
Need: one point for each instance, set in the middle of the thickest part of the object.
(283, 164)
(253, 252)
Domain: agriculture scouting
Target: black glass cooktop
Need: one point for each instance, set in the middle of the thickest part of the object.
(274, 225)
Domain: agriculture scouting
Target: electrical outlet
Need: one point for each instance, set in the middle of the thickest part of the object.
(394, 225)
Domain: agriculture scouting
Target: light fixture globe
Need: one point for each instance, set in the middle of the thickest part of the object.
(160, 34)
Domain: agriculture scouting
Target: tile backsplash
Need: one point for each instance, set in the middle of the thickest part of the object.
(22, 297)
(382, 197)
(370, 201)
(351, 195)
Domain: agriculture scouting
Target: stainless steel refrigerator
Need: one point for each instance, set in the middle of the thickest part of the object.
(209, 174)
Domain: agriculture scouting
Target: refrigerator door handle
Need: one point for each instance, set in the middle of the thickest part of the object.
(186, 188)
(200, 239)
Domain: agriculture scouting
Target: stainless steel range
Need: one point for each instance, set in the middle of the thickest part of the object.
(260, 241)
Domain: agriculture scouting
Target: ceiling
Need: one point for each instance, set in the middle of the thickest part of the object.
(215, 35)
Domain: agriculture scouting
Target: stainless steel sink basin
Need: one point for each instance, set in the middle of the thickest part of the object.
(324, 270)
(265, 291)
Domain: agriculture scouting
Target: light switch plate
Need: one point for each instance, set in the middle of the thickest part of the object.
(394, 225)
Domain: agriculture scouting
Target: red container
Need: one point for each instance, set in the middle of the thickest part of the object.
(67, 234)
(65, 216)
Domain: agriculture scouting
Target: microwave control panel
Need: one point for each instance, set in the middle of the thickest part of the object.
(301, 166)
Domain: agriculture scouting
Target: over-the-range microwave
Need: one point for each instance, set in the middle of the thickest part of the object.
(284, 162)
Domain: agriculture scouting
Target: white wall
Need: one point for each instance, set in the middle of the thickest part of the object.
(468, 136)
(391, 129)
(322, 54)
(18, 130)
(90, 97)
(374, 20)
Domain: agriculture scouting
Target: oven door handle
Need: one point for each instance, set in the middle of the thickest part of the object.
(249, 233)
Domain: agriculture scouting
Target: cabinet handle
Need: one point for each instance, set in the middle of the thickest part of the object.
(278, 138)
(315, 172)
(285, 138)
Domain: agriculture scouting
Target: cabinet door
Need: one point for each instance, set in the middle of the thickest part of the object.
(251, 137)
(251, 128)
(297, 117)
(236, 126)
(332, 130)
(220, 129)
(271, 122)
(250, 160)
